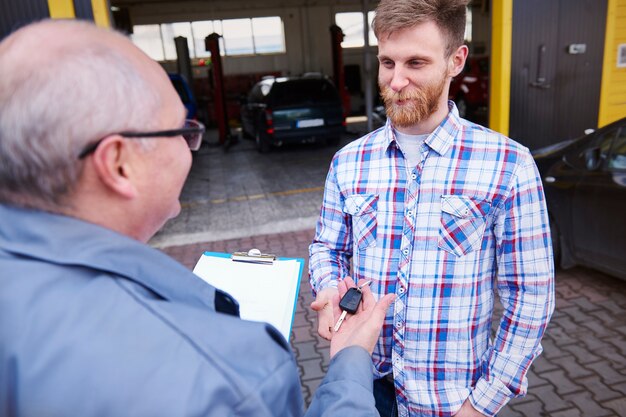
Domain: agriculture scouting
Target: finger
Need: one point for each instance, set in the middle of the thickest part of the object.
(324, 324)
(342, 288)
(380, 309)
(349, 282)
(335, 306)
(318, 305)
(368, 298)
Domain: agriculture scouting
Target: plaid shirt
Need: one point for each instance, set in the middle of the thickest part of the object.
(469, 217)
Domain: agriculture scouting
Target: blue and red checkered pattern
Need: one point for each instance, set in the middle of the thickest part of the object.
(445, 236)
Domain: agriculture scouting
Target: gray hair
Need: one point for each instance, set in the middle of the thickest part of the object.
(49, 112)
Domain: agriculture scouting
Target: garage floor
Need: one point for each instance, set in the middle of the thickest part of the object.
(239, 199)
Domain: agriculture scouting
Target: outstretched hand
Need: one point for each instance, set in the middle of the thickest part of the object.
(327, 306)
(363, 328)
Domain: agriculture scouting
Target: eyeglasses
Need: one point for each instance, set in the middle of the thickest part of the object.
(191, 132)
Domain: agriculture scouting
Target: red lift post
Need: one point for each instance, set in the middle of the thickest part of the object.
(336, 37)
(212, 45)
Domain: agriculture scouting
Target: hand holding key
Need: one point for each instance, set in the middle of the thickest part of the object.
(362, 328)
(350, 302)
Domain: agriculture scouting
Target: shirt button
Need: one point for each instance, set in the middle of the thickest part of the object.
(413, 176)
(406, 251)
(401, 290)
(410, 213)
(399, 324)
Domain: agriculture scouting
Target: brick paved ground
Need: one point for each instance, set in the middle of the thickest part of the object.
(582, 371)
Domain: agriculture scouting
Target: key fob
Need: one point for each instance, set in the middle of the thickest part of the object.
(351, 300)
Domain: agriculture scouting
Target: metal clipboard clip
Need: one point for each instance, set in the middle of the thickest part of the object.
(254, 256)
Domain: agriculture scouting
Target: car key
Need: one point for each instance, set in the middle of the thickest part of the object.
(350, 303)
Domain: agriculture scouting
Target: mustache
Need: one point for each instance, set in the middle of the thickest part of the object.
(391, 96)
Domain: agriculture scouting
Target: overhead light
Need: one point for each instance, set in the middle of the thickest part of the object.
(115, 9)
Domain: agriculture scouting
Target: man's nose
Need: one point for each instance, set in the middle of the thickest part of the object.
(398, 80)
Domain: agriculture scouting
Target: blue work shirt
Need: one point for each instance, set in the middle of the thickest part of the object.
(93, 323)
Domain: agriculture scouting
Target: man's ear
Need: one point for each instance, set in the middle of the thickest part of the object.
(113, 165)
(457, 61)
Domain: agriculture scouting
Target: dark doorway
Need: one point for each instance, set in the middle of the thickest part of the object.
(556, 69)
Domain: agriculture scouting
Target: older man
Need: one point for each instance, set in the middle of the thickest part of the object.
(94, 151)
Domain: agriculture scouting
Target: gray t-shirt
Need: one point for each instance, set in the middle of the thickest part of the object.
(410, 146)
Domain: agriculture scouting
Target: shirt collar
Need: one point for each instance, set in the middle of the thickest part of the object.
(440, 139)
(64, 240)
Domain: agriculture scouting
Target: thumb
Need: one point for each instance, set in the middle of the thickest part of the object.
(318, 305)
(380, 310)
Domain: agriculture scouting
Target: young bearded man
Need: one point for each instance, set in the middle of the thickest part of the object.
(442, 213)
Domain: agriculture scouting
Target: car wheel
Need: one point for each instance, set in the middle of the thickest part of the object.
(556, 242)
(462, 106)
(262, 145)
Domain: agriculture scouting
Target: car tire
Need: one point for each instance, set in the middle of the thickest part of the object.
(556, 242)
(262, 145)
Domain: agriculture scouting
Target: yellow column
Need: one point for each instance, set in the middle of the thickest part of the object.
(501, 44)
(61, 9)
(101, 14)
(612, 90)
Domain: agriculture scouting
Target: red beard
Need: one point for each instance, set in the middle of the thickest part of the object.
(419, 103)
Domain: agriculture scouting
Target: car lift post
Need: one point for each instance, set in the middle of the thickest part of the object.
(212, 45)
(336, 37)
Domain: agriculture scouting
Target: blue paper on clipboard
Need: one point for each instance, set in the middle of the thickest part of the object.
(266, 292)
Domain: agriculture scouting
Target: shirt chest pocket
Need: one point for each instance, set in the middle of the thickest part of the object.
(362, 208)
(463, 221)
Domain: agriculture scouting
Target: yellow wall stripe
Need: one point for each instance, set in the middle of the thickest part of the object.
(612, 91)
(500, 87)
(101, 13)
(61, 9)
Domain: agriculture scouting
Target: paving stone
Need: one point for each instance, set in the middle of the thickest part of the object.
(307, 350)
(576, 313)
(508, 411)
(599, 330)
(535, 380)
(613, 355)
(560, 337)
(561, 382)
(621, 387)
(571, 412)
(588, 406)
(302, 334)
(311, 369)
(530, 408)
(550, 400)
(600, 391)
(310, 386)
(584, 303)
(542, 364)
(618, 406)
(619, 344)
(615, 309)
(607, 372)
(621, 330)
(581, 354)
(550, 350)
(573, 369)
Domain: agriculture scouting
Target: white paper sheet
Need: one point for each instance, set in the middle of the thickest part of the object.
(265, 293)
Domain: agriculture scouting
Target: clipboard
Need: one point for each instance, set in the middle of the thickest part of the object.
(265, 286)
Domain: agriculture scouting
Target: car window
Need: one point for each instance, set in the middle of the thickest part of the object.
(302, 92)
(617, 160)
(590, 154)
